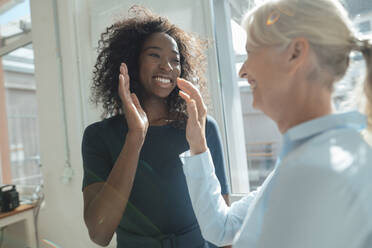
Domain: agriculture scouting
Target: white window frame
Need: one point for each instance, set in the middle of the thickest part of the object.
(226, 99)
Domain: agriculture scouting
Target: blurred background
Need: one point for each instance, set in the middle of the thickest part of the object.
(47, 52)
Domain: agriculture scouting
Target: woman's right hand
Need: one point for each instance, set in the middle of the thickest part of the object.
(134, 114)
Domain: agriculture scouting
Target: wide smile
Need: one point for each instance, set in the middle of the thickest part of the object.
(163, 82)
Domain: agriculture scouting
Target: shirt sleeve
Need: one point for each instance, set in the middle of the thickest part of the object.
(96, 157)
(214, 143)
(219, 223)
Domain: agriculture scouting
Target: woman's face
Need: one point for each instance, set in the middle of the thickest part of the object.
(267, 72)
(159, 65)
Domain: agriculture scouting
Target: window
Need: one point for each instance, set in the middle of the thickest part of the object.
(364, 27)
(21, 111)
(262, 139)
(19, 135)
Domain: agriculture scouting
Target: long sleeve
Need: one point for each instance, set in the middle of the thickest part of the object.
(219, 223)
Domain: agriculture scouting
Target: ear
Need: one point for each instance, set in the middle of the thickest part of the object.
(297, 53)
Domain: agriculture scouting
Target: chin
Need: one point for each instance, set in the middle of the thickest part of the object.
(165, 95)
(162, 95)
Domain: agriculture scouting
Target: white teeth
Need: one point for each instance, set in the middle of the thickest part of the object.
(163, 80)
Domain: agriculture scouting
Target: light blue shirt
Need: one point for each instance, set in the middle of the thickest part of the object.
(319, 194)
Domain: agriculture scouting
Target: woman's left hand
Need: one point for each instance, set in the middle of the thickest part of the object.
(197, 111)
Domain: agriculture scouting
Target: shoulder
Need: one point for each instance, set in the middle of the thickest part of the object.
(211, 120)
(338, 159)
(92, 130)
(211, 125)
(336, 150)
(105, 126)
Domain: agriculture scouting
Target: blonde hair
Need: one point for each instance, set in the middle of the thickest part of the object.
(324, 23)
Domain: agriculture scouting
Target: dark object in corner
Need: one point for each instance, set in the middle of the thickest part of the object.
(9, 198)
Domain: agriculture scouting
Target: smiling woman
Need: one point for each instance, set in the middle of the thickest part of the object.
(133, 181)
(159, 65)
(125, 40)
(320, 188)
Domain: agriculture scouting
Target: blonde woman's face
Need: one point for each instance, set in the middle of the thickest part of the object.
(266, 71)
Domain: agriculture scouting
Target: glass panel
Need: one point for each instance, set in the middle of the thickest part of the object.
(20, 94)
(364, 26)
(262, 138)
(23, 126)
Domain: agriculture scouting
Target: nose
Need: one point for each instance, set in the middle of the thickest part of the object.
(166, 66)
(242, 72)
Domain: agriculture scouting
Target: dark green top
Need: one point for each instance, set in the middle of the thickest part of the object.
(159, 202)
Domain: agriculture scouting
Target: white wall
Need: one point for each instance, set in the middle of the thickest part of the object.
(64, 36)
(61, 218)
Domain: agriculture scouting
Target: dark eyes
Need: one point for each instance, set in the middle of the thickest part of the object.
(155, 55)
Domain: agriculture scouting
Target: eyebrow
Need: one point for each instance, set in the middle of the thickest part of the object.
(158, 48)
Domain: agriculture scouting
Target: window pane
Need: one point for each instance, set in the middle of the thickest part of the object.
(23, 129)
(364, 26)
(20, 97)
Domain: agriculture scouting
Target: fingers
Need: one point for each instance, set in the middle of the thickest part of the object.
(194, 94)
(123, 68)
(136, 102)
(188, 87)
(124, 73)
(191, 90)
(193, 112)
(191, 107)
(123, 89)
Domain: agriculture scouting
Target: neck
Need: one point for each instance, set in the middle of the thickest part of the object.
(313, 104)
(156, 110)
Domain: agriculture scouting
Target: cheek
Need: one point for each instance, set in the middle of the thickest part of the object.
(141, 75)
(141, 69)
(177, 71)
(145, 68)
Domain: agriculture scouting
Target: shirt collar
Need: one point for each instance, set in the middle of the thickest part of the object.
(310, 128)
(299, 134)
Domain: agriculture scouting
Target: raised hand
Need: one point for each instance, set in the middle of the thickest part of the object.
(197, 111)
(134, 114)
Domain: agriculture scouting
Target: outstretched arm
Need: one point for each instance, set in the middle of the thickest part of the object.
(218, 222)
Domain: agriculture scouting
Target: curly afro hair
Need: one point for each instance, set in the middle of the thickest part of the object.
(123, 41)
